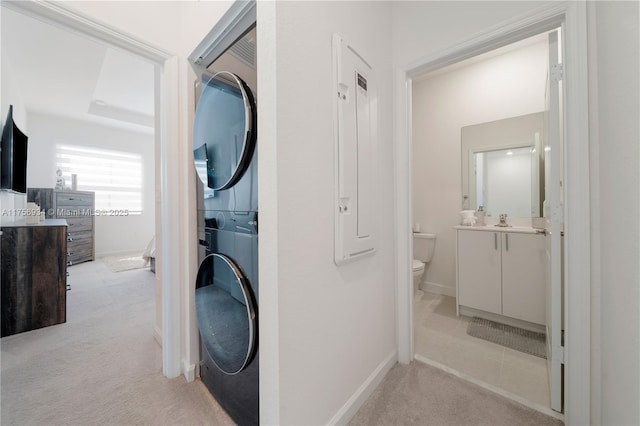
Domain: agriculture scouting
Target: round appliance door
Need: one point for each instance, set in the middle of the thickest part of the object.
(224, 130)
(226, 313)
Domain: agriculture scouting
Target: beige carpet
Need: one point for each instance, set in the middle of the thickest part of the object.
(125, 262)
(103, 366)
(419, 394)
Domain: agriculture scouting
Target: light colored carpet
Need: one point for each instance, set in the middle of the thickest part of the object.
(125, 262)
(103, 366)
(419, 394)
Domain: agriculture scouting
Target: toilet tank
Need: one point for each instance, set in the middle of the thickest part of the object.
(423, 246)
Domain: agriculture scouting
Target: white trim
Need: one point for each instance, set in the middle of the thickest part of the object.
(542, 409)
(577, 238)
(173, 224)
(166, 133)
(240, 16)
(596, 272)
(404, 237)
(578, 277)
(191, 339)
(189, 370)
(157, 334)
(268, 197)
(360, 396)
(62, 16)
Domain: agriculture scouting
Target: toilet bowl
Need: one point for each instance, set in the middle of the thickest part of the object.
(423, 246)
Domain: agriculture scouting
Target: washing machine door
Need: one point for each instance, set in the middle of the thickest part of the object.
(224, 130)
(226, 313)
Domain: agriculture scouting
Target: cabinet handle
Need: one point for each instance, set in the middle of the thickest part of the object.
(506, 240)
(495, 240)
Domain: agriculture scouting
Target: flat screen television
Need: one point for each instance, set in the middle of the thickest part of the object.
(13, 155)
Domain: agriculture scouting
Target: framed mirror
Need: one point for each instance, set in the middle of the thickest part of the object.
(503, 166)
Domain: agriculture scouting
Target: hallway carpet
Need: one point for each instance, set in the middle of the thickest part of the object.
(419, 394)
(103, 366)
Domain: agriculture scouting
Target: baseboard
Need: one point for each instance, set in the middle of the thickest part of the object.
(157, 334)
(438, 289)
(117, 253)
(189, 371)
(353, 404)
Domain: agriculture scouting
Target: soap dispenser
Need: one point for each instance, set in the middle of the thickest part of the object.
(480, 216)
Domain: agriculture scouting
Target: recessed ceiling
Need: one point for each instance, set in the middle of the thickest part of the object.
(58, 72)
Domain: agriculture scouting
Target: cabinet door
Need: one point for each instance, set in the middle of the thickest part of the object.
(523, 277)
(479, 285)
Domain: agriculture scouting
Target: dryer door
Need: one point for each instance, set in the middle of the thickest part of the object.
(226, 313)
(224, 130)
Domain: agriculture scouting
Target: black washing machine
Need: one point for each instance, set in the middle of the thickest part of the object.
(226, 288)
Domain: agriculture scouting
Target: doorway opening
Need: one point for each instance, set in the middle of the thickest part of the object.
(164, 124)
(571, 17)
(484, 115)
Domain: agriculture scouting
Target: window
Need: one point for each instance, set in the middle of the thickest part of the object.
(114, 176)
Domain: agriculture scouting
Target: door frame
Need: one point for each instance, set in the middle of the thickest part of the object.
(171, 224)
(572, 17)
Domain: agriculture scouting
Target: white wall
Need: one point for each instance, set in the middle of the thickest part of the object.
(334, 325)
(10, 202)
(113, 234)
(175, 26)
(500, 87)
(614, 105)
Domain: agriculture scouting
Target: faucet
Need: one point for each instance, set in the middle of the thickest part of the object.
(503, 221)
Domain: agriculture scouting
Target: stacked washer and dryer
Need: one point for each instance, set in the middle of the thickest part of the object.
(226, 288)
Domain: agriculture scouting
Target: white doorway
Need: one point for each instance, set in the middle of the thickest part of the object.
(169, 226)
(485, 107)
(572, 18)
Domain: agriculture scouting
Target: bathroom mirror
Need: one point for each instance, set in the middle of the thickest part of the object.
(503, 166)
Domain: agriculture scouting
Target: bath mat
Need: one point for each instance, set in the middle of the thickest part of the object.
(519, 339)
(125, 262)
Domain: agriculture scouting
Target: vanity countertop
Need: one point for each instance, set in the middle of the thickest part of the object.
(493, 228)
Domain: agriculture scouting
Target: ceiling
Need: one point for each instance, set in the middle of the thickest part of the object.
(539, 38)
(61, 73)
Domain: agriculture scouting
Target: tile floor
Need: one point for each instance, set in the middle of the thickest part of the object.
(442, 337)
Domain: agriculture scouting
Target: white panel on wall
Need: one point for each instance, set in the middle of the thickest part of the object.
(355, 137)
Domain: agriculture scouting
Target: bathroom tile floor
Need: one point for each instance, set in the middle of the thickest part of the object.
(442, 337)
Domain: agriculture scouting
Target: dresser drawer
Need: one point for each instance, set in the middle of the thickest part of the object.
(81, 236)
(69, 199)
(80, 250)
(79, 224)
(77, 208)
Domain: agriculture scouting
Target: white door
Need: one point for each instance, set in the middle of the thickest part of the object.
(553, 212)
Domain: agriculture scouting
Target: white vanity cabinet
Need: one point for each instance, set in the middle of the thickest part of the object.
(479, 271)
(501, 271)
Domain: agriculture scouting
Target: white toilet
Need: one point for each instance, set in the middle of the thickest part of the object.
(423, 245)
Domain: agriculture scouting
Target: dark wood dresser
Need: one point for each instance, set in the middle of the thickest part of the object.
(78, 209)
(33, 276)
